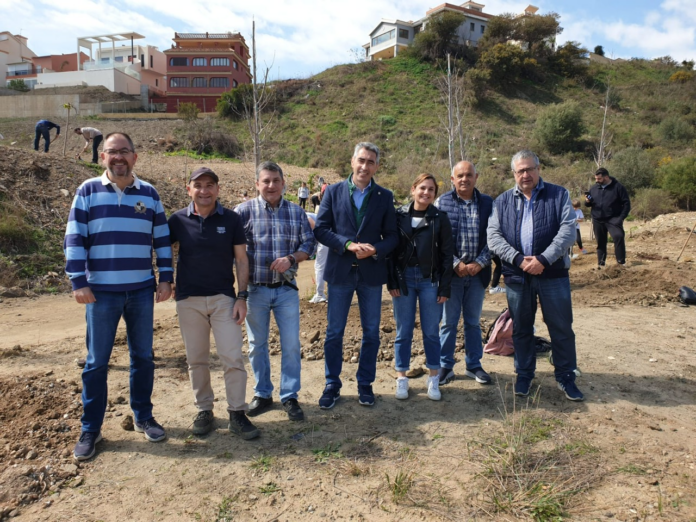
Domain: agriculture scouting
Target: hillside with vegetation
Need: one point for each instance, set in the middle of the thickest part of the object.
(510, 96)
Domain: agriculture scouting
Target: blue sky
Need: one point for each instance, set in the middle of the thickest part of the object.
(299, 38)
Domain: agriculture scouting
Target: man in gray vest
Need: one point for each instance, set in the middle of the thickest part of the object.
(532, 230)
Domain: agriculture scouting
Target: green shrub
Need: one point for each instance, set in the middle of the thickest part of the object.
(648, 203)
(234, 103)
(559, 127)
(17, 236)
(504, 63)
(18, 85)
(632, 167)
(188, 111)
(675, 130)
(679, 179)
(475, 81)
(439, 38)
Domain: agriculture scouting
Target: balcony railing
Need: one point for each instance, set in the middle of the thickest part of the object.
(25, 72)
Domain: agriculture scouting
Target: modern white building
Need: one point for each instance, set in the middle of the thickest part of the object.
(127, 67)
(390, 36)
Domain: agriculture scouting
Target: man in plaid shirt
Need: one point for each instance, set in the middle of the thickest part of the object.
(278, 237)
(468, 211)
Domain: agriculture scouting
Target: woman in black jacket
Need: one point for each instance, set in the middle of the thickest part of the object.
(420, 269)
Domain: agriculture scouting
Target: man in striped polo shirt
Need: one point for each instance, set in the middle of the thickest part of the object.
(115, 222)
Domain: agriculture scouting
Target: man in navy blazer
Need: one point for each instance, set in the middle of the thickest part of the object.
(357, 222)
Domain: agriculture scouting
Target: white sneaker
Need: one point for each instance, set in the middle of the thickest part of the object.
(318, 299)
(497, 290)
(402, 388)
(574, 256)
(434, 388)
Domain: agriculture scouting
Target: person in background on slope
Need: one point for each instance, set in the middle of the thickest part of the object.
(43, 130)
(90, 134)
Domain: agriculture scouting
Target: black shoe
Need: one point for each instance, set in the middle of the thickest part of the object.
(203, 423)
(86, 446)
(479, 374)
(446, 376)
(258, 405)
(293, 410)
(240, 425)
(331, 394)
(366, 396)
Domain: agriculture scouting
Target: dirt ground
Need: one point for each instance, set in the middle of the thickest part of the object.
(626, 453)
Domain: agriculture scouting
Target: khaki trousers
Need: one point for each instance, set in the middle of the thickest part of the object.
(197, 317)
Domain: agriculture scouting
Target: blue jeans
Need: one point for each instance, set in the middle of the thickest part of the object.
(556, 306)
(424, 291)
(467, 298)
(285, 304)
(370, 304)
(136, 308)
(42, 131)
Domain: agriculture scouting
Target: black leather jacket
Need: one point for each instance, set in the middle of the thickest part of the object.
(431, 242)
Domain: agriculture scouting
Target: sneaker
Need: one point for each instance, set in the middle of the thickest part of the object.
(366, 396)
(522, 386)
(292, 408)
(479, 374)
(574, 256)
(571, 390)
(331, 394)
(434, 388)
(152, 430)
(204, 422)
(86, 446)
(242, 426)
(446, 376)
(497, 290)
(318, 299)
(258, 405)
(402, 388)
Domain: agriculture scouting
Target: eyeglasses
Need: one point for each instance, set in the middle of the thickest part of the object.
(525, 171)
(116, 152)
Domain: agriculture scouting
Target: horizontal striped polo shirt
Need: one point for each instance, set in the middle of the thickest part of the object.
(111, 235)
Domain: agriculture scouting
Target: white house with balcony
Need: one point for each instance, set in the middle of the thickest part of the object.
(391, 36)
(128, 67)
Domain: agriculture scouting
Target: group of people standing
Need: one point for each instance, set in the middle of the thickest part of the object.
(434, 254)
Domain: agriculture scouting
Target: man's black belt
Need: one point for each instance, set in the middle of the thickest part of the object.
(278, 285)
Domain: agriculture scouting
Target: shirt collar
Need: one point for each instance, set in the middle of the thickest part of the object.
(353, 187)
(191, 209)
(267, 205)
(474, 197)
(536, 190)
(106, 181)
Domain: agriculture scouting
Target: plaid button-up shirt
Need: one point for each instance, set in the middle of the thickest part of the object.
(466, 242)
(272, 233)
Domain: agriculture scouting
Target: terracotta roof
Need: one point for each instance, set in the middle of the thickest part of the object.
(459, 8)
(209, 36)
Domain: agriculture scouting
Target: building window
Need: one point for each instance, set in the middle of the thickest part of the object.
(220, 62)
(178, 82)
(234, 83)
(200, 62)
(151, 62)
(199, 82)
(156, 82)
(142, 60)
(178, 62)
(403, 33)
(472, 27)
(118, 59)
(219, 82)
(235, 64)
(105, 60)
(483, 28)
(384, 37)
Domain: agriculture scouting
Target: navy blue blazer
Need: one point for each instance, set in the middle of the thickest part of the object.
(336, 225)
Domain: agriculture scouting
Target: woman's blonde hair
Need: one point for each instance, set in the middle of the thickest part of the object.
(421, 178)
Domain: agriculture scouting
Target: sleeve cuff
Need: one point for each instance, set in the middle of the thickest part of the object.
(79, 282)
(543, 261)
(518, 259)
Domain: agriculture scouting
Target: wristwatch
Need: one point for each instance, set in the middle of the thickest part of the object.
(244, 295)
(292, 259)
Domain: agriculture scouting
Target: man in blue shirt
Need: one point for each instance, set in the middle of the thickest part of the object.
(43, 129)
(357, 222)
(278, 237)
(211, 240)
(532, 230)
(115, 223)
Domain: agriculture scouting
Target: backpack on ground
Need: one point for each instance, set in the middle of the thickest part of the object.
(499, 337)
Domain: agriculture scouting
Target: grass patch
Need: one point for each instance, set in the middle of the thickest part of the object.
(328, 452)
(262, 463)
(268, 489)
(225, 511)
(400, 485)
(631, 469)
(534, 468)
